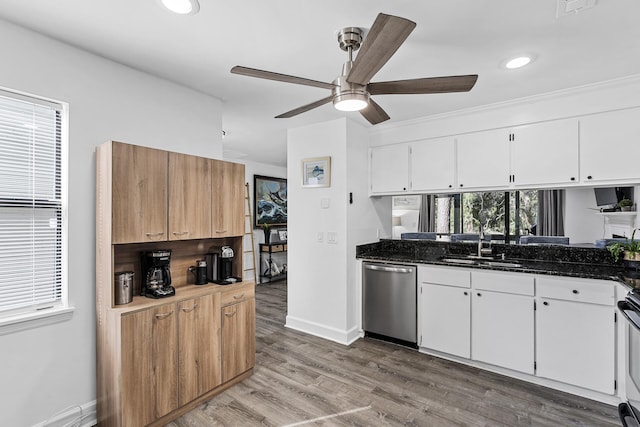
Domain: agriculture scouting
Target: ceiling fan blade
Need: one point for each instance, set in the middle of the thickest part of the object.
(261, 74)
(387, 34)
(374, 113)
(304, 108)
(426, 85)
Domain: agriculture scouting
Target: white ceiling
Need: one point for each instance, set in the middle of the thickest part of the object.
(298, 37)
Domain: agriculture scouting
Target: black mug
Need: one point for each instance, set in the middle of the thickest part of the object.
(200, 271)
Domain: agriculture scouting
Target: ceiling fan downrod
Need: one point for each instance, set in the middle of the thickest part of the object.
(349, 96)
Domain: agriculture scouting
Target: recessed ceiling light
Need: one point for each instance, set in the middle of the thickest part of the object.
(518, 62)
(182, 7)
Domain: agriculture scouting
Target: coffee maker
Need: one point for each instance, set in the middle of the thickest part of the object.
(156, 274)
(220, 266)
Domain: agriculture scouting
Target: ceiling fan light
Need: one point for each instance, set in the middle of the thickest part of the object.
(182, 7)
(351, 102)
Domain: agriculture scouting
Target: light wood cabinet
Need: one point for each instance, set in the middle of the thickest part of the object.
(139, 193)
(158, 358)
(228, 194)
(432, 163)
(238, 333)
(389, 169)
(149, 364)
(189, 197)
(199, 344)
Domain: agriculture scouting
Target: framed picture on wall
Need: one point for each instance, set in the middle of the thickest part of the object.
(316, 172)
(270, 201)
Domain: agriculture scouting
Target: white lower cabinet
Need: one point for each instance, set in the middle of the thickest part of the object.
(558, 328)
(575, 333)
(502, 320)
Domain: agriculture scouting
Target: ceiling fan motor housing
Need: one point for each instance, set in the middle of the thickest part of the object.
(350, 37)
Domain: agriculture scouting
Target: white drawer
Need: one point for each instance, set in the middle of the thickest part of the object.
(511, 283)
(454, 276)
(580, 290)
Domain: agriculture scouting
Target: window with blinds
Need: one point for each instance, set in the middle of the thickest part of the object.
(30, 204)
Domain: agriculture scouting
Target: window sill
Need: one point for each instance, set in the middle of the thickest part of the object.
(27, 321)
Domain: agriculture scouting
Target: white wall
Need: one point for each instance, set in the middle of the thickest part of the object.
(51, 368)
(322, 285)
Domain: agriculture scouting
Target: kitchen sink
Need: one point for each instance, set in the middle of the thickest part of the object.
(480, 261)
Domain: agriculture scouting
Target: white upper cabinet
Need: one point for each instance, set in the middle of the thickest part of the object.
(483, 160)
(389, 169)
(545, 154)
(432, 164)
(609, 148)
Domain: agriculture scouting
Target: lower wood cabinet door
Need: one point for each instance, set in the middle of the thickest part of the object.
(238, 338)
(149, 364)
(199, 344)
(575, 343)
(445, 319)
(502, 330)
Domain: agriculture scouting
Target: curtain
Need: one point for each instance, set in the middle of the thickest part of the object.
(427, 213)
(550, 213)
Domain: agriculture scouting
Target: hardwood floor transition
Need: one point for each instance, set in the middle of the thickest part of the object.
(303, 380)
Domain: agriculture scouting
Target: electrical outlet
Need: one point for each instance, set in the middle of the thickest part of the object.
(332, 237)
(320, 237)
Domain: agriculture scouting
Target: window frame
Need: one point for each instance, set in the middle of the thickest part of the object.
(62, 311)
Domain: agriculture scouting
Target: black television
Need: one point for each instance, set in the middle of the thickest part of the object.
(608, 197)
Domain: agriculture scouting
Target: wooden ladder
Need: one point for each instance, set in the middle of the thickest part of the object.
(248, 241)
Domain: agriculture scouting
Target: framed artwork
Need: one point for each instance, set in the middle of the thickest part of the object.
(270, 201)
(316, 172)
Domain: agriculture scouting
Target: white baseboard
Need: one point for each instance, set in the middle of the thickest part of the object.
(345, 337)
(74, 416)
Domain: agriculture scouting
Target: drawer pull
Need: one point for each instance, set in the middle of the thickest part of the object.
(186, 310)
(238, 296)
(164, 315)
(221, 231)
(575, 291)
(180, 233)
(230, 314)
(151, 235)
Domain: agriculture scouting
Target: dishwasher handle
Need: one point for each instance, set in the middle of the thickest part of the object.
(388, 269)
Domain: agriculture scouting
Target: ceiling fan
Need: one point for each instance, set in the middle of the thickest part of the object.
(351, 90)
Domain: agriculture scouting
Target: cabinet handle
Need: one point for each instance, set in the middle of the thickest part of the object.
(180, 233)
(479, 294)
(238, 296)
(154, 234)
(575, 291)
(164, 315)
(545, 303)
(230, 314)
(573, 178)
(450, 186)
(221, 231)
(589, 177)
(186, 310)
(466, 293)
(461, 185)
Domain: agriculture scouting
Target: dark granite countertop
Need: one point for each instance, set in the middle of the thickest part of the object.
(568, 261)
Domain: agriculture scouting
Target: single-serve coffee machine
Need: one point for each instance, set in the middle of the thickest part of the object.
(156, 275)
(220, 266)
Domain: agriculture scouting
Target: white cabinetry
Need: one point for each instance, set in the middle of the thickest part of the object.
(575, 332)
(445, 310)
(432, 164)
(502, 320)
(389, 169)
(609, 148)
(483, 159)
(545, 153)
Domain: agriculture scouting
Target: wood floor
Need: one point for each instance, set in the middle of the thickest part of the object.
(303, 380)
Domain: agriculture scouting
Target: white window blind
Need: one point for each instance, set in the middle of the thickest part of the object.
(30, 204)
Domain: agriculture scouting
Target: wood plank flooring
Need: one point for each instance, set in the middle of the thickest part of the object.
(303, 380)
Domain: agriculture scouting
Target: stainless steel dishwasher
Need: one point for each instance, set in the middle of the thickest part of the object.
(389, 295)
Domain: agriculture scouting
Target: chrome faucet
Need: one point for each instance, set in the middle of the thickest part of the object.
(480, 239)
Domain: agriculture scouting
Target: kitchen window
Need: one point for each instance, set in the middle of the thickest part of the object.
(32, 212)
(505, 213)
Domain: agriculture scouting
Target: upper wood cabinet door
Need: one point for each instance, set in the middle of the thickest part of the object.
(139, 194)
(199, 343)
(149, 365)
(189, 197)
(238, 338)
(228, 198)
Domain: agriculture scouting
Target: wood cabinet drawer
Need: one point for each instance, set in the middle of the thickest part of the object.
(511, 283)
(445, 276)
(238, 292)
(581, 290)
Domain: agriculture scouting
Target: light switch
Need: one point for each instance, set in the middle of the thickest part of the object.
(320, 237)
(324, 203)
(332, 237)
